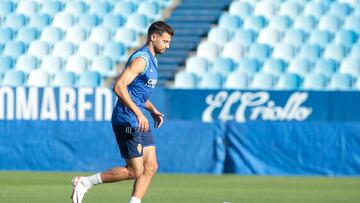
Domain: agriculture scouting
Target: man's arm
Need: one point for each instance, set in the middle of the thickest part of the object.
(155, 114)
(136, 67)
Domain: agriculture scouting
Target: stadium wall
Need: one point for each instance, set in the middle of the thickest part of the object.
(206, 131)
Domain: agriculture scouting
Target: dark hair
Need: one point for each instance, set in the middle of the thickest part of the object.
(159, 27)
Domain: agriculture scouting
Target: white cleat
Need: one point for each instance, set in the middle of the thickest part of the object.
(78, 191)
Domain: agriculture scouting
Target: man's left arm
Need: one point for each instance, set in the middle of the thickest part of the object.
(155, 114)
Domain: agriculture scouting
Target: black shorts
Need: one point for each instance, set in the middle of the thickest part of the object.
(130, 141)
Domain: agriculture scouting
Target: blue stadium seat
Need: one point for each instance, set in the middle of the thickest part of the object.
(104, 65)
(263, 81)
(39, 21)
(151, 9)
(284, 51)
(300, 66)
(6, 63)
(100, 8)
(7, 34)
(326, 67)
(13, 78)
(340, 9)
(236, 80)
(255, 23)
(314, 8)
(113, 21)
(138, 22)
(51, 64)
(76, 35)
(63, 20)
(346, 38)
(311, 52)
(116, 51)
(335, 51)
(248, 66)
(15, 21)
(353, 23)
(269, 36)
(320, 37)
(350, 66)
(274, 66)
(356, 85)
(6, 7)
(100, 35)
(197, 65)
(64, 79)
(295, 37)
(127, 36)
(224, 66)
(290, 8)
(340, 81)
(38, 48)
(14, 49)
(88, 49)
(76, 64)
(75, 8)
(185, 80)
(329, 22)
(63, 49)
(88, 21)
(305, 22)
(218, 36)
(26, 63)
(239, 8)
(229, 22)
(280, 23)
(38, 78)
(356, 10)
(51, 7)
(27, 8)
(259, 51)
(265, 8)
(89, 79)
(355, 51)
(235, 51)
(211, 80)
(288, 81)
(51, 34)
(244, 36)
(27, 35)
(124, 8)
(208, 50)
(314, 81)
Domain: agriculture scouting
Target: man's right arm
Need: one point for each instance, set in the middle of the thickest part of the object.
(136, 67)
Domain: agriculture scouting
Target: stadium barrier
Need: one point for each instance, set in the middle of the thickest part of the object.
(206, 131)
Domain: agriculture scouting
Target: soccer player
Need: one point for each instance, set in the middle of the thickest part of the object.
(130, 126)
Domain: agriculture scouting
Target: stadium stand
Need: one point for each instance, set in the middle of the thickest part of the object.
(294, 41)
(295, 44)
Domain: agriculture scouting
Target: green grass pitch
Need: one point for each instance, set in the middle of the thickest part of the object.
(42, 187)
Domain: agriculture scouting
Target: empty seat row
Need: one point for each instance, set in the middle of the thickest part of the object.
(40, 78)
(115, 50)
(285, 81)
(53, 64)
(152, 8)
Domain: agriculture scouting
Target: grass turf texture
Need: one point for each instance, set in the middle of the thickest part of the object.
(42, 187)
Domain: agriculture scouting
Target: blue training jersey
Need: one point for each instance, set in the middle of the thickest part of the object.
(139, 90)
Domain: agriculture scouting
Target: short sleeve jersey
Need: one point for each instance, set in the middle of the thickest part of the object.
(139, 90)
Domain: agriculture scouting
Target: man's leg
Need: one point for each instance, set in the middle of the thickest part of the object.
(142, 183)
(133, 170)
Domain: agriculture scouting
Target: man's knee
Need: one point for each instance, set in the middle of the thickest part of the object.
(135, 173)
(151, 168)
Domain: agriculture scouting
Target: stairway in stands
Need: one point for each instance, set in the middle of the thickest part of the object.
(191, 20)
